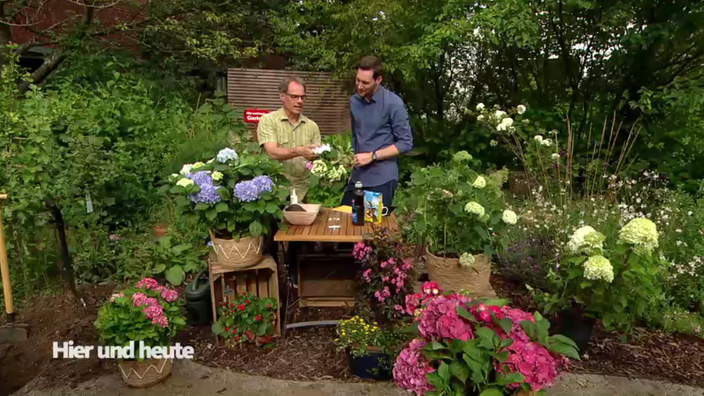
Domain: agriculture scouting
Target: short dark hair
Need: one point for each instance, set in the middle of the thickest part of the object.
(371, 63)
(283, 87)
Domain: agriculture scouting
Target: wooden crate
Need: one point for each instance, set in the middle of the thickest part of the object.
(323, 282)
(261, 280)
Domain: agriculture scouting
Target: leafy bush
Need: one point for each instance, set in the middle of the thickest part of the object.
(329, 174)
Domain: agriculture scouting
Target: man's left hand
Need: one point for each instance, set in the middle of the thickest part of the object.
(362, 159)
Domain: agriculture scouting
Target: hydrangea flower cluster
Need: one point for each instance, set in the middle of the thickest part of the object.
(535, 362)
(466, 260)
(227, 154)
(208, 191)
(150, 305)
(509, 217)
(411, 369)
(642, 234)
(480, 182)
(251, 190)
(585, 240)
(474, 207)
(599, 267)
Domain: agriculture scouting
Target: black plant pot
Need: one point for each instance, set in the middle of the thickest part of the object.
(364, 366)
(577, 327)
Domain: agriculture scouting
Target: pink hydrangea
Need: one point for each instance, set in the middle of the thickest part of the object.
(431, 288)
(517, 316)
(161, 321)
(309, 165)
(411, 368)
(361, 251)
(169, 295)
(440, 320)
(154, 311)
(535, 362)
(484, 312)
(148, 283)
(139, 299)
(413, 302)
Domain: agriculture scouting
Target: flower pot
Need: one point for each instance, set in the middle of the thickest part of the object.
(238, 254)
(577, 327)
(145, 373)
(160, 231)
(363, 366)
(526, 393)
(451, 276)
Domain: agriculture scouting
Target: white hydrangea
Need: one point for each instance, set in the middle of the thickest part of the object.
(585, 240)
(466, 260)
(538, 138)
(473, 207)
(505, 124)
(322, 149)
(521, 109)
(494, 143)
(510, 217)
(319, 168)
(186, 169)
(640, 232)
(198, 165)
(555, 156)
(480, 106)
(184, 182)
(599, 267)
(499, 114)
(217, 176)
(480, 182)
(547, 142)
(480, 117)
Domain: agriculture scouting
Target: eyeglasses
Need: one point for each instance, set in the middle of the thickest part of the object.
(295, 97)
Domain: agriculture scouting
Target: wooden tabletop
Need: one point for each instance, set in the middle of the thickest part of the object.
(320, 230)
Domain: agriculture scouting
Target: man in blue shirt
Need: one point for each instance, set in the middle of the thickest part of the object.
(380, 133)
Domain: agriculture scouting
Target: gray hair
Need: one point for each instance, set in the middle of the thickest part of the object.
(283, 87)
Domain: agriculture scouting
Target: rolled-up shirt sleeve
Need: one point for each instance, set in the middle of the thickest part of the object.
(401, 128)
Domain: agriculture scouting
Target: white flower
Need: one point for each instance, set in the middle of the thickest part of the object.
(479, 183)
(505, 124)
(480, 117)
(186, 169)
(547, 142)
(480, 106)
(525, 121)
(499, 114)
(322, 149)
(473, 207)
(690, 213)
(584, 240)
(184, 182)
(319, 168)
(509, 217)
(553, 132)
(521, 109)
(198, 165)
(555, 156)
(173, 176)
(599, 267)
(466, 260)
(494, 143)
(538, 138)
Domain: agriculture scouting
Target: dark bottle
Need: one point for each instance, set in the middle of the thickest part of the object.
(358, 205)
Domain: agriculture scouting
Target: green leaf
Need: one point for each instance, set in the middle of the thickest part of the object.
(255, 228)
(221, 207)
(217, 328)
(201, 206)
(261, 329)
(506, 324)
(505, 379)
(211, 214)
(482, 232)
(563, 340)
(175, 275)
(435, 346)
(465, 314)
(486, 337)
(224, 193)
(178, 249)
(272, 208)
(503, 356)
(459, 370)
(492, 392)
(564, 349)
(444, 372)
(159, 269)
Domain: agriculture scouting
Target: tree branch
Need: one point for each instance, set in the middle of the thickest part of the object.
(85, 4)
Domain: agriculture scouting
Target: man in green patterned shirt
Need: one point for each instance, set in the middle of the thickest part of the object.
(289, 136)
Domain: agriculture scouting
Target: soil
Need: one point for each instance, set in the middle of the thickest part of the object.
(643, 354)
(306, 353)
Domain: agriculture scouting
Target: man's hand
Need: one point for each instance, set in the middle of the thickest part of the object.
(362, 159)
(307, 152)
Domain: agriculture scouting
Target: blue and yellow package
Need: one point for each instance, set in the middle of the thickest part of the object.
(373, 206)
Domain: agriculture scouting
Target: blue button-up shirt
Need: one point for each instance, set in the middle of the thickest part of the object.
(377, 124)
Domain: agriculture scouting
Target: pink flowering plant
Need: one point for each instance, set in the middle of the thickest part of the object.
(386, 279)
(471, 346)
(146, 312)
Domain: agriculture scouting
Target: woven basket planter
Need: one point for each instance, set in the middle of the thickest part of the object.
(238, 254)
(451, 276)
(145, 373)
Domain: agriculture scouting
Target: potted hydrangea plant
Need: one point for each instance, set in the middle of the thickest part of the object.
(478, 347)
(330, 172)
(614, 283)
(238, 197)
(457, 213)
(146, 312)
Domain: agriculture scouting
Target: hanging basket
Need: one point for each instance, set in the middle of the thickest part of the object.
(145, 373)
(238, 254)
(451, 276)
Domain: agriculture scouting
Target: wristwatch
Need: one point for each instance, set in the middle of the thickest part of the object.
(374, 156)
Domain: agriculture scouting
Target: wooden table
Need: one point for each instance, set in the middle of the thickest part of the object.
(320, 230)
(331, 284)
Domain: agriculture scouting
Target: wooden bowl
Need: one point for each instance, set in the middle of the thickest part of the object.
(303, 218)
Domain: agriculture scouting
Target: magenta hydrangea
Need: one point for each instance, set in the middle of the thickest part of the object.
(148, 283)
(169, 295)
(440, 320)
(411, 368)
(535, 362)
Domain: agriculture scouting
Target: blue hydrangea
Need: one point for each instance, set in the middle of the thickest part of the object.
(208, 192)
(227, 154)
(246, 191)
(263, 183)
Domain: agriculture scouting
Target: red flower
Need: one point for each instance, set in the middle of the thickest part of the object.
(227, 329)
(232, 304)
(268, 305)
(258, 318)
(237, 338)
(241, 307)
(246, 301)
(249, 334)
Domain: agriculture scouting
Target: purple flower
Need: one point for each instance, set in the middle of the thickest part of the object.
(208, 192)
(263, 183)
(246, 191)
(201, 178)
(114, 237)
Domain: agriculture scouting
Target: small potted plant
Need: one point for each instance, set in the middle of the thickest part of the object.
(371, 350)
(238, 197)
(146, 312)
(247, 318)
(458, 214)
(478, 347)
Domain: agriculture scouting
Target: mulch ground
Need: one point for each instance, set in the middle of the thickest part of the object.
(307, 354)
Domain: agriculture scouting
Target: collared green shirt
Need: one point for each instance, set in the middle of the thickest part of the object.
(276, 127)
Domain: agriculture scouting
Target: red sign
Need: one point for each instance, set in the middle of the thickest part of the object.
(252, 116)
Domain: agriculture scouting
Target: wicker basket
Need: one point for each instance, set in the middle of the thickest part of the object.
(238, 254)
(451, 276)
(145, 373)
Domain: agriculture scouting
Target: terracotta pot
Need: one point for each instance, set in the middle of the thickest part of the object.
(238, 254)
(145, 373)
(451, 276)
(160, 231)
